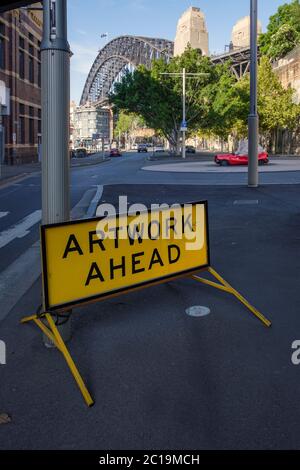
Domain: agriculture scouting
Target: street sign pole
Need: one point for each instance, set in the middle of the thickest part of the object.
(253, 116)
(183, 110)
(55, 91)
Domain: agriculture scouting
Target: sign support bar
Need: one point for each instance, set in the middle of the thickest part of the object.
(225, 286)
(53, 334)
(51, 331)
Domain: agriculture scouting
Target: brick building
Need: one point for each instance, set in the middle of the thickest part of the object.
(20, 76)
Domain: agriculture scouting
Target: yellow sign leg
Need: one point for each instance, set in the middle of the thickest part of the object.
(225, 286)
(53, 334)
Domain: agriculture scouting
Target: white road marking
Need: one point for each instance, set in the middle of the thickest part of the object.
(94, 202)
(18, 277)
(3, 214)
(21, 229)
(245, 202)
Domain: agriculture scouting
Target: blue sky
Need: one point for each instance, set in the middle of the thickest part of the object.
(154, 18)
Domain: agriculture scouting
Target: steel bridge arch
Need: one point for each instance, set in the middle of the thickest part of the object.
(115, 56)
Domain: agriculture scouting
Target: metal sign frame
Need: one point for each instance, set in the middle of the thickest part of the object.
(47, 325)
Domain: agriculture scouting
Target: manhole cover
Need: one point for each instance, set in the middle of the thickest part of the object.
(197, 311)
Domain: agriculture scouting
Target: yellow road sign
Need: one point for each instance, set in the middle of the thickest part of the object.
(90, 259)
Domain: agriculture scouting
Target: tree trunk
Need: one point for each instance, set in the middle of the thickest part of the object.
(177, 142)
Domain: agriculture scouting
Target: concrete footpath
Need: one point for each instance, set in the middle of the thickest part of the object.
(162, 379)
(11, 173)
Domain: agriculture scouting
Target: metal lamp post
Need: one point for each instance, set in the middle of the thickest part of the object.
(55, 58)
(253, 121)
(184, 75)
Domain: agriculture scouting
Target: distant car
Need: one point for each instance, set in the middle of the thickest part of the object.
(190, 149)
(239, 159)
(80, 152)
(142, 148)
(159, 148)
(115, 153)
(134, 147)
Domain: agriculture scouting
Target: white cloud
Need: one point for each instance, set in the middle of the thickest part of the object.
(83, 57)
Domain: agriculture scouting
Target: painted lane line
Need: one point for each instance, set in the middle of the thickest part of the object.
(245, 202)
(3, 214)
(21, 229)
(18, 277)
(94, 202)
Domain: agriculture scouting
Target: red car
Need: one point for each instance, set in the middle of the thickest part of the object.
(115, 153)
(238, 159)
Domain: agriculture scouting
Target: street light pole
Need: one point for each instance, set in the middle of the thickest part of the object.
(184, 76)
(183, 110)
(55, 91)
(253, 116)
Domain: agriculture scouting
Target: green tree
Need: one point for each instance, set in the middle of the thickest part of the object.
(283, 31)
(276, 107)
(126, 124)
(157, 97)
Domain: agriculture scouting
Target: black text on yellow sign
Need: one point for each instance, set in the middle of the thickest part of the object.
(90, 259)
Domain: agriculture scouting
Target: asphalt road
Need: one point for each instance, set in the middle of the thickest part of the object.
(160, 378)
(22, 200)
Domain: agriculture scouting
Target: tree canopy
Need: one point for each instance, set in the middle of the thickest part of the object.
(211, 98)
(283, 31)
(216, 103)
(276, 107)
(127, 123)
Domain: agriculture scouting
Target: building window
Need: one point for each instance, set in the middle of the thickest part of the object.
(31, 49)
(21, 108)
(2, 53)
(31, 37)
(39, 74)
(39, 126)
(22, 42)
(22, 130)
(2, 28)
(31, 111)
(31, 70)
(39, 113)
(31, 131)
(21, 64)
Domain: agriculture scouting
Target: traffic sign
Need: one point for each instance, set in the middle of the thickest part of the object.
(183, 127)
(90, 259)
(81, 263)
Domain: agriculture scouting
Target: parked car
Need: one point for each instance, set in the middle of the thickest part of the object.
(159, 148)
(142, 148)
(239, 159)
(190, 149)
(115, 153)
(80, 152)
